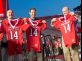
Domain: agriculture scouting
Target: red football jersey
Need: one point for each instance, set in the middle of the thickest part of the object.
(14, 33)
(33, 34)
(67, 28)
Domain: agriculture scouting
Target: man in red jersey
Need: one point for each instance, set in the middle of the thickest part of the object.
(14, 35)
(33, 35)
(69, 38)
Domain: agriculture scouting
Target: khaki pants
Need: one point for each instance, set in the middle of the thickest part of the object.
(66, 51)
(31, 56)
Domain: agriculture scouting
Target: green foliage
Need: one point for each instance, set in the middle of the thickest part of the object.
(78, 8)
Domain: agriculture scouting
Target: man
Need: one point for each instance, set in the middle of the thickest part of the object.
(33, 35)
(13, 29)
(69, 40)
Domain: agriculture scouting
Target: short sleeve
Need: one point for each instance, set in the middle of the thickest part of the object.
(56, 24)
(71, 18)
(3, 27)
(41, 25)
(24, 26)
(20, 21)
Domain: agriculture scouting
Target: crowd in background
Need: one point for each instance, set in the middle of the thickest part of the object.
(52, 45)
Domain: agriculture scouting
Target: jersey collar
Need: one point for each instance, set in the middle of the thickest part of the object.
(61, 20)
(33, 21)
(15, 24)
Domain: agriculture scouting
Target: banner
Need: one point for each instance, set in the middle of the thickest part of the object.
(1, 9)
(4, 6)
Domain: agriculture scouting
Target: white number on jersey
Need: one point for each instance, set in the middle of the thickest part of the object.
(68, 28)
(35, 32)
(15, 35)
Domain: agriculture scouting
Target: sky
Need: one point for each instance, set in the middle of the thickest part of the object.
(43, 7)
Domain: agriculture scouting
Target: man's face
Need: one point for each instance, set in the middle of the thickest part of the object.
(65, 11)
(10, 14)
(32, 13)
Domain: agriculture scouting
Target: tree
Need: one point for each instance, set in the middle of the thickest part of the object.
(78, 8)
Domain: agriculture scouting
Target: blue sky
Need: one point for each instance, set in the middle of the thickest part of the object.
(43, 7)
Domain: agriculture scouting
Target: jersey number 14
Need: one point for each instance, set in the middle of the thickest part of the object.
(15, 35)
(67, 28)
(35, 32)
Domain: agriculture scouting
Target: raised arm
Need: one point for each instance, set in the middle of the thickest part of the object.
(77, 16)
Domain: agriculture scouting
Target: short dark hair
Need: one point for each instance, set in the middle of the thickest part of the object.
(32, 9)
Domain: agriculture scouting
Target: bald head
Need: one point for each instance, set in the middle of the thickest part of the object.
(65, 10)
(10, 14)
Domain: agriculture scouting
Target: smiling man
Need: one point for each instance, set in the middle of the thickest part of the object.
(69, 38)
(14, 33)
(33, 35)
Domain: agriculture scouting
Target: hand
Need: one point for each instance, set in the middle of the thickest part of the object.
(43, 21)
(0, 21)
(72, 13)
(24, 19)
(17, 18)
(53, 20)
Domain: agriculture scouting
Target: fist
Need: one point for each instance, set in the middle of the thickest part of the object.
(0, 21)
(17, 18)
(53, 20)
(72, 13)
(24, 19)
(43, 21)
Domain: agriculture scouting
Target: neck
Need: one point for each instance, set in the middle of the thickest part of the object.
(10, 18)
(32, 18)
